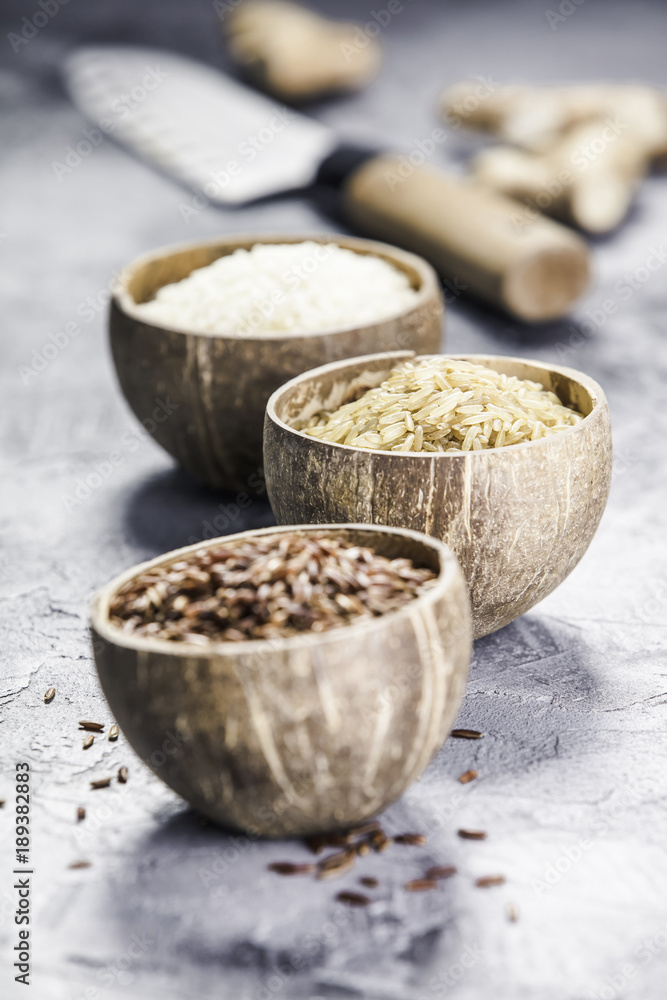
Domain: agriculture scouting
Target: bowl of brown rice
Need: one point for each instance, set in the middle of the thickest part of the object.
(300, 677)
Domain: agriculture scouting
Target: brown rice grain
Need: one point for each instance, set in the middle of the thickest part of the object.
(467, 777)
(444, 404)
(353, 899)
(441, 871)
(287, 868)
(488, 881)
(420, 885)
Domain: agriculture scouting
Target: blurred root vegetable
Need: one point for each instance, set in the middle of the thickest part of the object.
(298, 55)
(578, 153)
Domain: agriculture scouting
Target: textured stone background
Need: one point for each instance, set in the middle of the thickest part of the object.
(570, 698)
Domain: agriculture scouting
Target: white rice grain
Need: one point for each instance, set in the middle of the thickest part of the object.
(283, 287)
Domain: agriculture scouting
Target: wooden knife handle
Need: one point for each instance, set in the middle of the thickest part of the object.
(487, 243)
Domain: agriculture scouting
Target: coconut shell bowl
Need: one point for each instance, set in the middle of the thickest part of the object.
(220, 383)
(303, 734)
(519, 518)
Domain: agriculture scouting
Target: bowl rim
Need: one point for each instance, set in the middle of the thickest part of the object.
(429, 287)
(450, 573)
(594, 390)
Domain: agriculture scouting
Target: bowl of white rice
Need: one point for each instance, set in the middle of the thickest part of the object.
(506, 460)
(211, 329)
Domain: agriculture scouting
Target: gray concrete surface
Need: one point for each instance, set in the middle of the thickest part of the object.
(571, 698)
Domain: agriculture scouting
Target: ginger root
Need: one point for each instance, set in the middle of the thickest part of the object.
(578, 153)
(296, 54)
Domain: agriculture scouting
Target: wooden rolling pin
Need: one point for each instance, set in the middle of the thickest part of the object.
(529, 265)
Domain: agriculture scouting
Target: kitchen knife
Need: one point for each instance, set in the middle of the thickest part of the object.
(234, 146)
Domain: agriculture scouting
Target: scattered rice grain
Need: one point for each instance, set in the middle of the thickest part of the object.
(287, 868)
(467, 777)
(379, 841)
(487, 881)
(100, 783)
(336, 864)
(412, 839)
(441, 871)
(353, 899)
(420, 885)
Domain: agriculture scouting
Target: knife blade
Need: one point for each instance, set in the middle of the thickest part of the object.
(236, 146)
(197, 124)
